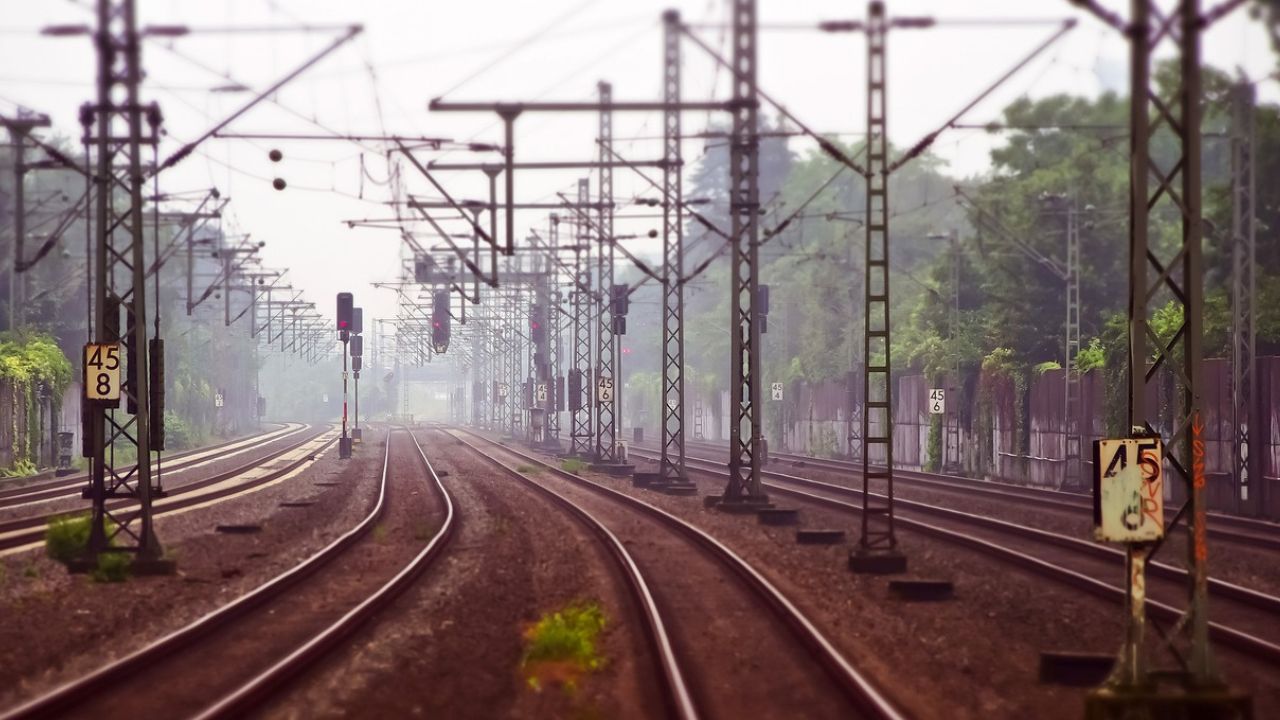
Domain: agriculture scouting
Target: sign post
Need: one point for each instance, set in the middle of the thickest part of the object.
(1128, 508)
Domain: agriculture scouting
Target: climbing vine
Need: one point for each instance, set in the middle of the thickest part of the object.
(31, 361)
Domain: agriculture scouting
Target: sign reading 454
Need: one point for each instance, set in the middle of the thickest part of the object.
(102, 371)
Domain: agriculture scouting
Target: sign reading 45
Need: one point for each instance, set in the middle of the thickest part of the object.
(102, 371)
(1128, 490)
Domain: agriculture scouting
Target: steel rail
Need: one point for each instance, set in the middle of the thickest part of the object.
(254, 692)
(179, 461)
(1247, 531)
(860, 690)
(185, 496)
(679, 700)
(57, 702)
(1239, 640)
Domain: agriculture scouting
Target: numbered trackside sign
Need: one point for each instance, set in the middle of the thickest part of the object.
(102, 371)
(542, 392)
(1128, 490)
(937, 401)
(775, 390)
(604, 390)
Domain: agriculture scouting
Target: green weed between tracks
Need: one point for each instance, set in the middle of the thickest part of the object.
(571, 465)
(561, 646)
(67, 537)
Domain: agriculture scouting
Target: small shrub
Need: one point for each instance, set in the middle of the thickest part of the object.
(562, 645)
(572, 465)
(527, 469)
(112, 567)
(66, 537)
(21, 468)
(32, 571)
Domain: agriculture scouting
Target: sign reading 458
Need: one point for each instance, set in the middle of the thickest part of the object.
(102, 371)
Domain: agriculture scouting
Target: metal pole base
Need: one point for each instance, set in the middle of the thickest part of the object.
(139, 567)
(344, 448)
(1172, 702)
(877, 562)
(745, 505)
(614, 469)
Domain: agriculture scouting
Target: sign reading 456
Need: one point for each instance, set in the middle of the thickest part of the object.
(102, 371)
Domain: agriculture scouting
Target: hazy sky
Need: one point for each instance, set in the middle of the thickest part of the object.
(411, 51)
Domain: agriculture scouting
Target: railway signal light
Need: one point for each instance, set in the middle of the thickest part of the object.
(440, 321)
(345, 312)
(357, 321)
(537, 327)
(357, 346)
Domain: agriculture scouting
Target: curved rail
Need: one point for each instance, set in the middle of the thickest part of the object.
(73, 484)
(1244, 642)
(261, 686)
(679, 700)
(1231, 528)
(12, 533)
(857, 688)
(67, 696)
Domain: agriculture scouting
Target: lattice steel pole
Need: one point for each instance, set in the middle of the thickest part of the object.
(672, 467)
(1245, 404)
(877, 549)
(1176, 278)
(581, 432)
(554, 326)
(953, 459)
(114, 128)
(744, 487)
(1072, 440)
(607, 346)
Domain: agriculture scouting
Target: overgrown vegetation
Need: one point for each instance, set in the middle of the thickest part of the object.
(66, 537)
(35, 366)
(562, 646)
(572, 465)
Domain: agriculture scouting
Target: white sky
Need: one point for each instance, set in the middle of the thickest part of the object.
(413, 50)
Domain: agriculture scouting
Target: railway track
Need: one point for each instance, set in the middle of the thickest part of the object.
(235, 658)
(73, 485)
(27, 532)
(1221, 526)
(706, 614)
(1251, 627)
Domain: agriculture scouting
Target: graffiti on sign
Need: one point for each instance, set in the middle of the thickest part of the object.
(1128, 490)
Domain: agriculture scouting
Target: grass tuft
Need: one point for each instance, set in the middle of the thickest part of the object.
(113, 567)
(66, 537)
(561, 646)
(572, 465)
(527, 469)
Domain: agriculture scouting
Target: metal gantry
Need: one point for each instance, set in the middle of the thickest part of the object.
(1171, 179)
(582, 432)
(1246, 456)
(672, 468)
(117, 129)
(555, 340)
(877, 543)
(606, 403)
(1073, 476)
(745, 426)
